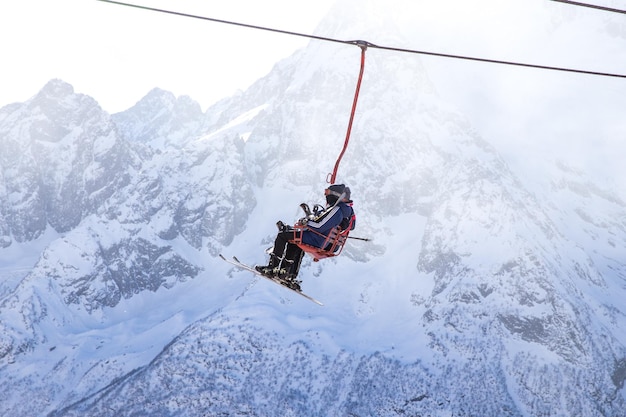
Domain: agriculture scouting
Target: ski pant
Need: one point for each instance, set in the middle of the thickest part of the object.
(285, 254)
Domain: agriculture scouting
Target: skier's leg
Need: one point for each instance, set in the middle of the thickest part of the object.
(293, 255)
(277, 255)
(288, 271)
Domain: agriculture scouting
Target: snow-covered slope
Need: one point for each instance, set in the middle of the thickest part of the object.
(485, 291)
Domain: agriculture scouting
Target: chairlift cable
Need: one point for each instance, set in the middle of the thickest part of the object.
(592, 6)
(389, 48)
(228, 22)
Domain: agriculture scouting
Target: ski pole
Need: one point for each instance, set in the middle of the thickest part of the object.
(365, 239)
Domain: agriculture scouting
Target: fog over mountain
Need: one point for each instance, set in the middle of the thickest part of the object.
(493, 286)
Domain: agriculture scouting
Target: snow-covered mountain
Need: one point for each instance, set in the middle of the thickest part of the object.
(493, 286)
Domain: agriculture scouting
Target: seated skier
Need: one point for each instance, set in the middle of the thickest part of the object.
(286, 256)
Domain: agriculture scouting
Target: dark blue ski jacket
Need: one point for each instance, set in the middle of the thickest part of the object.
(339, 215)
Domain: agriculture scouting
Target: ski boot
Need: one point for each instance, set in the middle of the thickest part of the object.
(290, 281)
(294, 283)
(271, 269)
(287, 277)
(265, 270)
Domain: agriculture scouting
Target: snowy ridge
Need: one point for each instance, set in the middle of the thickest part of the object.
(485, 292)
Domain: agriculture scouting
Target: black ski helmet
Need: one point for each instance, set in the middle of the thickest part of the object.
(336, 191)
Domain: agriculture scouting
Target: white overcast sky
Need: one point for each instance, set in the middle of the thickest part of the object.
(117, 54)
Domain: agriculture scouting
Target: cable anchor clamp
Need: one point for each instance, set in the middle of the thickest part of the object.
(362, 44)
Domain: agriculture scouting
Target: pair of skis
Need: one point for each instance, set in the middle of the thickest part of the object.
(236, 262)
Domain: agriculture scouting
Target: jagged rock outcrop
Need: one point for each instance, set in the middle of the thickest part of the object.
(61, 159)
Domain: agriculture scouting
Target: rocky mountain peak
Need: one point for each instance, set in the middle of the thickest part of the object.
(160, 120)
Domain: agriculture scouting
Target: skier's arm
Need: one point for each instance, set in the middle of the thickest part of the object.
(326, 222)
